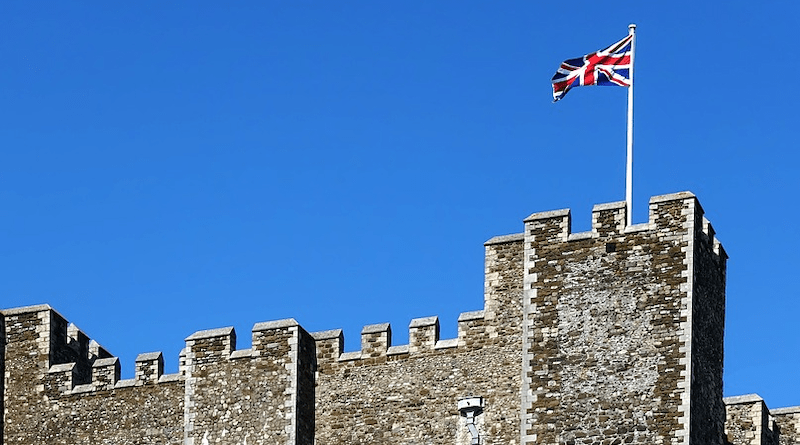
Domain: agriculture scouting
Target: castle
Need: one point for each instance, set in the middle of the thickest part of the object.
(612, 336)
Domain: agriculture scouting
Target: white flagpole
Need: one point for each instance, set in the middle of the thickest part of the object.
(629, 169)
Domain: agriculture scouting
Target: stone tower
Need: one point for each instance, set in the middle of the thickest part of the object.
(623, 327)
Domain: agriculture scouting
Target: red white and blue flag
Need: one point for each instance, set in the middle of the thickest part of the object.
(610, 66)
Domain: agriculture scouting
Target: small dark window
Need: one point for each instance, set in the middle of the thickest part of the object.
(611, 247)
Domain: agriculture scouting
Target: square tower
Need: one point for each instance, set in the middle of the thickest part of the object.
(623, 327)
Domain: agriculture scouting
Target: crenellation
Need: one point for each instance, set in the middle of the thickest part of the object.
(375, 340)
(610, 336)
(748, 421)
(97, 352)
(423, 333)
(472, 329)
(609, 219)
(149, 368)
(105, 373)
(211, 345)
(330, 345)
(549, 227)
(61, 378)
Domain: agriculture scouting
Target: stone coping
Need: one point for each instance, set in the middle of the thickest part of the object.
(473, 315)
(375, 328)
(127, 383)
(349, 356)
(105, 362)
(424, 321)
(747, 398)
(671, 197)
(505, 239)
(168, 378)
(148, 356)
(397, 350)
(784, 411)
(445, 344)
(276, 324)
(78, 389)
(28, 309)
(609, 206)
(547, 215)
(327, 335)
(211, 333)
(643, 227)
(242, 353)
(580, 236)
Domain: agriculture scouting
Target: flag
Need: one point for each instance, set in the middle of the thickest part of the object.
(610, 66)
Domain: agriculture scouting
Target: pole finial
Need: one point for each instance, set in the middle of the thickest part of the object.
(631, 28)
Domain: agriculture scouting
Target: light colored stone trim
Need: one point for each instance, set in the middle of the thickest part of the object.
(685, 338)
(326, 335)
(425, 321)
(581, 235)
(528, 294)
(375, 328)
(242, 353)
(445, 344)
(147, 356)
(474, 315)
(505, 239)
(168, 378)
(82, 389)
(671, 197)
(294, 353)
(397, 350)
(211, 333)
(747, 398)
(547, 215)
(350, 356)
(609, 206)
(643, 227)
(105, 362)
(127, 383)
(276, 324)
(784, 411)
(27, 310)
(61, 368)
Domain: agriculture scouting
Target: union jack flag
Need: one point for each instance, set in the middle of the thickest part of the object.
(610, 66)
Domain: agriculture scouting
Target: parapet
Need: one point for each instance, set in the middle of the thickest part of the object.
(423, 335)
(74, 363)
(666, 212)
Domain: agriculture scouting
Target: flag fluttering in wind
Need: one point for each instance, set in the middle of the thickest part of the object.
(610, 66)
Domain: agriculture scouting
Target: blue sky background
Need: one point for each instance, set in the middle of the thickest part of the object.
(172, 167)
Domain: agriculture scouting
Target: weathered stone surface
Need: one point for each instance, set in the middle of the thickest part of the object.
(611, 317)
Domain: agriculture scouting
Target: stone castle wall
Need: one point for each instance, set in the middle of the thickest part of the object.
(407, 394)
(609, 336)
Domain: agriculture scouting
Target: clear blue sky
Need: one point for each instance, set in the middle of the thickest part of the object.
(172, 167)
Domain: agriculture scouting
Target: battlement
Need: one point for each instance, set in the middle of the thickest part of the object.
(376, 340)
(609, 221)
(612, 335)
(69, 361)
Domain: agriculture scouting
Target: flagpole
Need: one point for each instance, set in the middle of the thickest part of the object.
(629, 169)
